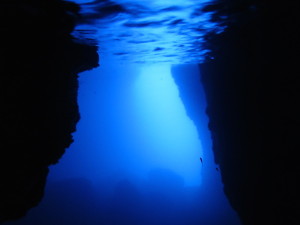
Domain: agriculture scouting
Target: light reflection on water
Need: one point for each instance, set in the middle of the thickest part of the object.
(169, 31)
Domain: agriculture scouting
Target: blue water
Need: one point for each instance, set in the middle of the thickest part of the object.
(135, 159)
(136, 155)
(132, 123)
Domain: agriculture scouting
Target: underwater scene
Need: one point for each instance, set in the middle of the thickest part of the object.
(138, 158)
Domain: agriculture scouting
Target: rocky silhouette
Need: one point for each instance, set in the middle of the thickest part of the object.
(38, 82)
(252, 92)
(251, 86)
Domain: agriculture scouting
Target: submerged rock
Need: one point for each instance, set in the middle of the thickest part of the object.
(252, 92)
(38, 82)
(251, 89)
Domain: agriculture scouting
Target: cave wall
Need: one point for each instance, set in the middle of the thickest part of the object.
(38, 83)
(252, 87)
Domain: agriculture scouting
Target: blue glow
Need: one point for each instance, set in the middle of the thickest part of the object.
(165, 125)
(135, 159)
(132, 123)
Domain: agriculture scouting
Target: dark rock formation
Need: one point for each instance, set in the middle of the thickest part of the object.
(38, 83)
(252, 90)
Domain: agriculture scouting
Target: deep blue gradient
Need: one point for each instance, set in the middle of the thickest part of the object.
(135, 159)
(136, 155)
(133, 121)
(164, 124)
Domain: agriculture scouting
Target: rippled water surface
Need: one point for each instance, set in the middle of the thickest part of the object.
(170, 31)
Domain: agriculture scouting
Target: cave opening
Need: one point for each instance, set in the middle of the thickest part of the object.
(132, 122)
(152, 161)
(136, 154)
(138, 158)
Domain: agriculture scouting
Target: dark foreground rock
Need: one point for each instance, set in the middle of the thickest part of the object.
(252, 90)
(38, 83)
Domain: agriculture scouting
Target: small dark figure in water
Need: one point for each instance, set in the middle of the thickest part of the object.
(201, 160)
(217, 169)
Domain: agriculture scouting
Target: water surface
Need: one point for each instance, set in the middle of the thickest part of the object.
(144, 31)
(136, 155)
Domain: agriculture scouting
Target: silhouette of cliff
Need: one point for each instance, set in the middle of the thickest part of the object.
(252, 90)
(39, 66)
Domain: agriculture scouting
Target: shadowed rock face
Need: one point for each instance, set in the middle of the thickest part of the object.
(252, 90)
(38, 84)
